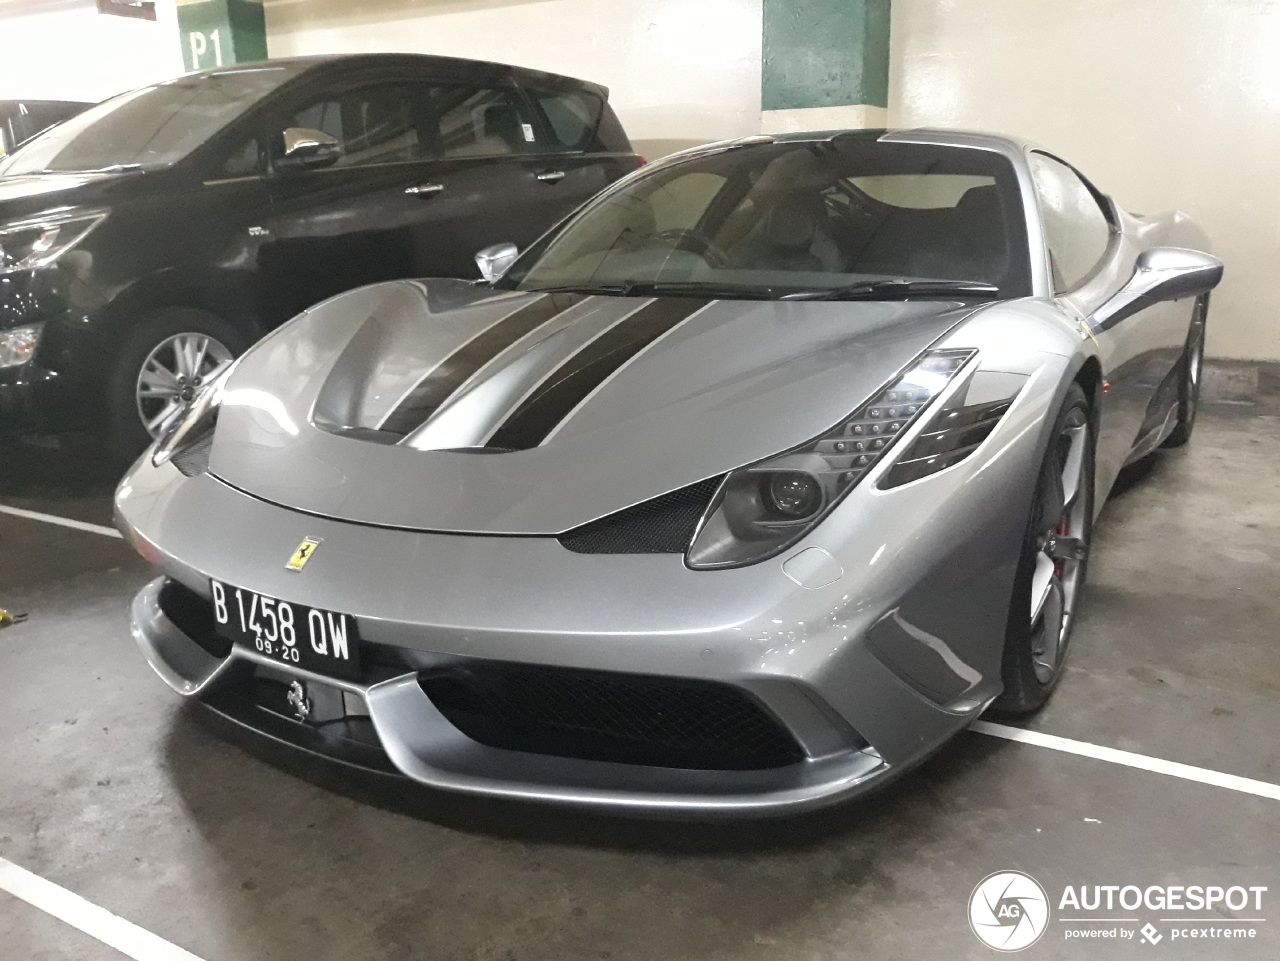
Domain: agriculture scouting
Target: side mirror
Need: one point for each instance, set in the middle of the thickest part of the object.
(495, 260)
(1161, 273)
(309, 149)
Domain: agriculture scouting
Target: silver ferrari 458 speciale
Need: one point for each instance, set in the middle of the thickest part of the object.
(738, 493)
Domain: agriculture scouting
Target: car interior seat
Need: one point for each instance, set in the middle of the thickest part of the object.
(789, 235)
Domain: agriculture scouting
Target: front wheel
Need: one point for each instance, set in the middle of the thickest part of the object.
(1051, 568)
(162, 365)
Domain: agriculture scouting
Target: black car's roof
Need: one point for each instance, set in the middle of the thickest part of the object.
(461, 66)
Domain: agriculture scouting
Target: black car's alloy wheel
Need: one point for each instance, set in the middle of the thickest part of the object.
(161, 367)
(1052, 565)
(174, 372)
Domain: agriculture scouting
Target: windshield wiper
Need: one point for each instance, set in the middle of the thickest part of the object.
(892, 289)
(647, 288)
(109, 169)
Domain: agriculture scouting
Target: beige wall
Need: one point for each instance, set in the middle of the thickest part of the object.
(78, 54)
(680, 72)
(1162, 102)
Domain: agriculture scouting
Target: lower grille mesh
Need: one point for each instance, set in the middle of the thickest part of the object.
(608, 716)
(193, 615)
(664, 525)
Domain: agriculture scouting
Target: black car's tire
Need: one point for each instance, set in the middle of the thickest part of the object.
(1054, 550)
(1189, 369)
(154, 339)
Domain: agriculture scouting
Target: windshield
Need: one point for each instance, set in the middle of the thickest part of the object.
(149, 127)
(773, 219)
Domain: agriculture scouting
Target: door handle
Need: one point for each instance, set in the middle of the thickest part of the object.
(551, 176)
(424, 190)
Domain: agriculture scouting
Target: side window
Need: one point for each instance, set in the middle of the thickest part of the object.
(1076, 228)
(375, 125)
(481, 122)
(573, 116)
(243, 162)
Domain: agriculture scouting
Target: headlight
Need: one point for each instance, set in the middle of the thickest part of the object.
(955, 432)
(194, 422)
(18, 345)
(31, 244)
(763, 508)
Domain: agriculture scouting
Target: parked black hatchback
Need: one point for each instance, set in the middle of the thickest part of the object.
(149, 240)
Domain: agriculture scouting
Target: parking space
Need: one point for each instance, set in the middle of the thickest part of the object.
(120, 793)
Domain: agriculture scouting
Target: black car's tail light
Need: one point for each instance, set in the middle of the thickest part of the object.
(958, 429)
(763, 508)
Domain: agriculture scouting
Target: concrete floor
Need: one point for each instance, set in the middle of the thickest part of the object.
(112, 788)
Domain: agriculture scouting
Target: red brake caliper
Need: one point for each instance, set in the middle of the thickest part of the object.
(1062, 530)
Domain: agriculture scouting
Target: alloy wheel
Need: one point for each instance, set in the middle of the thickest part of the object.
(1062, 546)
(173, 373)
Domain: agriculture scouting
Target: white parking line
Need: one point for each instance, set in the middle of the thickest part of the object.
(1142, 762)
(61, 521)
(125, 936)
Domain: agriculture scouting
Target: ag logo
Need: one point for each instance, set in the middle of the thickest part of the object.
(1008, 911)
(303, 554)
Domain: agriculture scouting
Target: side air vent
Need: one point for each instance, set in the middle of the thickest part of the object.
(194, 459)
(664, 525)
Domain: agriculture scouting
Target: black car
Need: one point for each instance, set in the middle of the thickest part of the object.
(20, 120)
(149, 240)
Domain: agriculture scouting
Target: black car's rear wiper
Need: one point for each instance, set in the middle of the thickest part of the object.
(892, 289)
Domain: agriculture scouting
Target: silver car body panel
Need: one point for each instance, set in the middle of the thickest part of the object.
(872, 639)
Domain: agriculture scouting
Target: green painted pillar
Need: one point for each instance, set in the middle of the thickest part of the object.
(826, 64)
(219, 32)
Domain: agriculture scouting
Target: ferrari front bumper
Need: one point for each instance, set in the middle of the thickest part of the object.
(421, 744)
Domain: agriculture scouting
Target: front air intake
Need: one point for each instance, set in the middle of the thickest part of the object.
(610, 716)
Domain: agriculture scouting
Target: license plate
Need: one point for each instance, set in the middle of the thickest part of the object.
(321, 641)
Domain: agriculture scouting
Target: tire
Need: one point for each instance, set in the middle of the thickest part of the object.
(1050, 576)
(154, 340)
(1189, 369)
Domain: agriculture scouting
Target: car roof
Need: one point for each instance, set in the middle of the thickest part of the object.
(938, 135)
(462, 66)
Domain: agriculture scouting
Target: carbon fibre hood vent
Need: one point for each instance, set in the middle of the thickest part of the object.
(664, 525)
(449, 407)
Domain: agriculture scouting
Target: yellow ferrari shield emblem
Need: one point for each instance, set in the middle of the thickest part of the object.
(303, 554)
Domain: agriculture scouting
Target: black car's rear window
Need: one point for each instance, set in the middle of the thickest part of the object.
(151, 126)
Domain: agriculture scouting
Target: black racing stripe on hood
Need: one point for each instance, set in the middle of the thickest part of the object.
(456, 369)
(553, 401)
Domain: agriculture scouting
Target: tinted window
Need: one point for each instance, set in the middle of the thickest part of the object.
(572, 116)
(375, 125)
(1076, 229)
(152, 126)
(792, 217)
(245, 162)
(481, 123)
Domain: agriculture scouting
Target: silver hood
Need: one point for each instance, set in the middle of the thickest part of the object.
(449, 407)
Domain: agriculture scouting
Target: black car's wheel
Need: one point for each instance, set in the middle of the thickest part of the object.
(1052, 565)
(1189, 376)
(160, 367)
